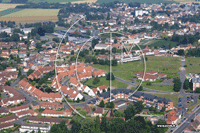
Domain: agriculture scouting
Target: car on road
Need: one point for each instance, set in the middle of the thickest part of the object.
(192, 120)
(179, 108)
(179, 105)
(179, 100)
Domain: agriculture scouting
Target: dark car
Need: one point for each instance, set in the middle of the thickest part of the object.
(179, 100)
(192, 97)
(188, 98)
(179, 105)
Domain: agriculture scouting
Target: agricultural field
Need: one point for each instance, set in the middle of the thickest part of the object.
(9, 11)
(30, 19)
(103, 81)
(192, 65)
(167, 65)
(7, 6)
(34, 12)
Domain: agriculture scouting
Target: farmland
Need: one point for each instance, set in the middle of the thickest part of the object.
(193, 65)
(167, 65)
(30, 19)
(7, 6)
(34, 12)
(140, 1)
(9, 11)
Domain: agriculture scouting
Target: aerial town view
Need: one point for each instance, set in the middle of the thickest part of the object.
(97, 66)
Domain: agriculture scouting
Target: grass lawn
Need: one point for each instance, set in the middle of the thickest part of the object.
(167, 88)
(159, 43)
(193, 65)
(34, 12)
(167, 65)
(174, 98)
(103, 81)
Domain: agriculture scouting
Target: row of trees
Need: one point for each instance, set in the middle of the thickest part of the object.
(131, 124)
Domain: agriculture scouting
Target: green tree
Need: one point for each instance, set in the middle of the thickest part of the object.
(94, 42)
(39, 130)
(138, 107)
(83, 99)
(29, 72)
(72, 52)
(103, 124)
(129, 112)
(88, 126)
(115, 40)
(88, 32)
(18, 59)
(19, 73)
(163, 129)
(197, 90)
(97, 129)
(140, 88)
(78, 100)
(101, 104)
(114, 50)
(108, 77)
(177, 84)
(56, 40)
(186, 84)
(77, 34)
(76, 126)
(115, 125)
(96, 80)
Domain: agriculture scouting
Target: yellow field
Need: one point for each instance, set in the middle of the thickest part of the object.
(81, 1)
(34, 12)
(7, 6)
(30, 19)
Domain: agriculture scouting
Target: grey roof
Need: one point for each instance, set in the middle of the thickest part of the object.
(195, 80)
(35, 125)
(120, 101)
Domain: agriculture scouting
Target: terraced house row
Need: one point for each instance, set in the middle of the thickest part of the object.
(148, 99)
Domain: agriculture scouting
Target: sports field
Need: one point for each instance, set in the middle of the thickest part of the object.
(34, 12)
(193, 65)
(167, 65)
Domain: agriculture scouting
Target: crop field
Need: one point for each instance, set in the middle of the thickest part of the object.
(167, 65)
(192, 65)
(53, 1)
(7, 6)
(9, 11)
(34, 12)
(30, 19)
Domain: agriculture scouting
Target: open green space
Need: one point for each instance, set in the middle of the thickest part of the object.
(160, 43)
(103, 81)
(192, 65)
(167, 88)
(9, 11)
(166, 65)
(174, 98)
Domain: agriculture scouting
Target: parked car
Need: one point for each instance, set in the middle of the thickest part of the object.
(188, 98)
(179, 105)
(192, 97)
(179, 100)
(179, 108)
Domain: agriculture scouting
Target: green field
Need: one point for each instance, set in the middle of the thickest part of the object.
(167, 88)
(49, 1)
(167, 65)
(159, 43)
(34, 12)
(193, 65)
(103, 81)
(9, 11)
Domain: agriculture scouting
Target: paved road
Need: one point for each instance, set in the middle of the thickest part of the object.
(29, 98)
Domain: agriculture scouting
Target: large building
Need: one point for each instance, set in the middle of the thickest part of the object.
(196, 83)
